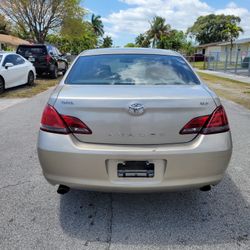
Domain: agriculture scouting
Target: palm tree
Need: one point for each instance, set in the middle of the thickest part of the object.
(233, 31)
(158, 29)
(142, 41)
(97, 25)
(188, 48)
(107, 42)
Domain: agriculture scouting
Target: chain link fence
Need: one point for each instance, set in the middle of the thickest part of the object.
(235, 62)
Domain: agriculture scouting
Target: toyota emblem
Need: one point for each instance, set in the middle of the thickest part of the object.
(136, 109)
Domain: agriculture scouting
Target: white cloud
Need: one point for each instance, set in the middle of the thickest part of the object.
(111, 34)
(140, 2)
(179, 14)
(244, 14)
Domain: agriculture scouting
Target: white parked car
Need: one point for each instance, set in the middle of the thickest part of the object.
(15, 70)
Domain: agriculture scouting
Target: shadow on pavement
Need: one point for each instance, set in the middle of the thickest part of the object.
(182, 218)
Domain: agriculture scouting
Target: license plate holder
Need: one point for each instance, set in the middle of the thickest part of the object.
(31, 59)
(135, 169)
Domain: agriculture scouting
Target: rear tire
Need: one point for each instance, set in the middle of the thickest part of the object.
(54, 73)
(31, 78)
(2, 87)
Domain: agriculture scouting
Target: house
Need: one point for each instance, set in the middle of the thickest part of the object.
(7, 41)
(242, 46)
(208, 48)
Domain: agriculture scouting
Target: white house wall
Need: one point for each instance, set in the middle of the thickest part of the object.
(213, 50)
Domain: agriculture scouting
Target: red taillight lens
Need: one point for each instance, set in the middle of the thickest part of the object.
(217, 123)
(53, 122)
(195, 125)
(209, 124)
(75, 125)
(48, 58)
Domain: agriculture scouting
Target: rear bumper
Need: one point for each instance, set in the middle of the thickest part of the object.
(44, 68)
(67, 161)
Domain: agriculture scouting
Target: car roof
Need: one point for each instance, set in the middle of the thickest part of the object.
(6, 53)
(129, 51)
(32, 45)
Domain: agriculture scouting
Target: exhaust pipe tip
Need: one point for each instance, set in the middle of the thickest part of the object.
(205, 188)
(62, 189)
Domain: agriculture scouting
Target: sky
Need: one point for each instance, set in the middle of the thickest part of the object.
(125, 19)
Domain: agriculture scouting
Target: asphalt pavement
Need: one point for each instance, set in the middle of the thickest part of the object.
(34, 216)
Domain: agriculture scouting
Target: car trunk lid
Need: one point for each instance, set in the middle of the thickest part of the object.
(105, 110)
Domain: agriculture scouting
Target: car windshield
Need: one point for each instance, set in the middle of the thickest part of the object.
(131, 69)
(27, 51)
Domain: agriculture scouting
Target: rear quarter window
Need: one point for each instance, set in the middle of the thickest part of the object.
(131, 69)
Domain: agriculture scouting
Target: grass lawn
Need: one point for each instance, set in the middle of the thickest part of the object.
(236, 91)
(25, 91)
(198, 65)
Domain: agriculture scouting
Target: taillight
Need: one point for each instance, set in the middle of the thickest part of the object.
(75, 125)
(53, 122)
(209, 124)
(48, 58)
(217, 123)
(195, 125)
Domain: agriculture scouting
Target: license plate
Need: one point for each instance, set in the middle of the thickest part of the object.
(136, 169)
(31, 59)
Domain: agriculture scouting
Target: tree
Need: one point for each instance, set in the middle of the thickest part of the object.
(188, 48)
(97, 25)
(232, 31)
(74, 45)
(25, 34)
(158, 29)
(107, 42)
(5, 26)
(173, 40)
(212, 28)
(73, 23)
(161, 36)
(75, 31)
(142, 41)
(130, 45)
(38, 17)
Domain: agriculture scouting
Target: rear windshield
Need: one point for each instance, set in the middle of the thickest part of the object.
(27, 51)
(131, 69)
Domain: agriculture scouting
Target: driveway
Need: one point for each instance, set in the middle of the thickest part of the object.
(34, 216)
(5, 102)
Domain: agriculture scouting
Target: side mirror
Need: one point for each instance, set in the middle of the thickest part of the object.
(8, 65)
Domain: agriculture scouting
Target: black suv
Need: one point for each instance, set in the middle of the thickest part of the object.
(46, 58)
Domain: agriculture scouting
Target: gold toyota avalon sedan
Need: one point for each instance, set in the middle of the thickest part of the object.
(133, 120)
